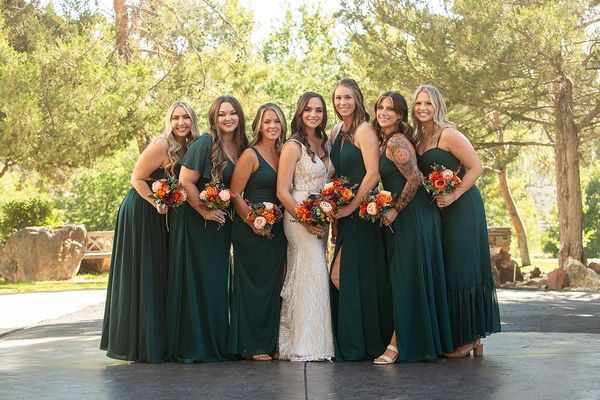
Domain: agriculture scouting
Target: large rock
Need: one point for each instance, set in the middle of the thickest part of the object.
(558, 279)
(581, 276)
(595, 266)
(505, 265)
(95, 266)
(40, 254)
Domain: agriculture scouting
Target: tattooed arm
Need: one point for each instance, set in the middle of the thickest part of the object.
(402, 153)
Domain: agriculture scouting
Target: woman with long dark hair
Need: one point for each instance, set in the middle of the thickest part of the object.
(413, 244)
(200, 242)
(304, 167)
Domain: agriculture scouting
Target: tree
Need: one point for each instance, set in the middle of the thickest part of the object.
(535, 63)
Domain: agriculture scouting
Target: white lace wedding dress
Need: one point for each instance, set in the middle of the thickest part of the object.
(305, 328)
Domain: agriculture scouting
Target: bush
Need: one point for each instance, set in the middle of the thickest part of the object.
(591, 221)
(95, 195)
(19, 214)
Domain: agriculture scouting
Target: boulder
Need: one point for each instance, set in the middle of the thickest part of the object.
(558, 279)
(95, 266)
(505, 265)
(595, 266)
(581, 276)
(536, 273)
(40, 254)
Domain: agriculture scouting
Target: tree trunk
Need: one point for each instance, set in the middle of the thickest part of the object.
(121, 29)
(514, 217)
(568, 186)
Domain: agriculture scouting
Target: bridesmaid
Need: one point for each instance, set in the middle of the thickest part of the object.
(200, 242)
(414, 249)
(134, 316)
(471, 294)
(361, 294)
(259, 261)
(305, 332)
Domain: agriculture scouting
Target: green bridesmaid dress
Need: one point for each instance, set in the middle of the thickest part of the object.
(258, 273)
(471, 294)
(133, 328)
(416, 263)
(199, 272)
(361, 309)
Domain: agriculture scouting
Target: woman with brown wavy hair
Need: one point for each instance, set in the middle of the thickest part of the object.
(200, 242)
(361, 294)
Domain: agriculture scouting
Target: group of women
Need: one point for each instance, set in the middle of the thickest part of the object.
(417, 291)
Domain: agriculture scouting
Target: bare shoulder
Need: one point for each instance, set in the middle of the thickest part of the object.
(291, 147)
(452, 138)
(365, 132)
(400, 148)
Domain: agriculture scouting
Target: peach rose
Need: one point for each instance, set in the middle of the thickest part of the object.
(268, 205)
(372, 208)
(224, 195)
(203, 195)
(447, 175)
(325, 206)
(156, 185)
(260, 222)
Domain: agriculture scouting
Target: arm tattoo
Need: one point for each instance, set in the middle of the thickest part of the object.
(403, 156)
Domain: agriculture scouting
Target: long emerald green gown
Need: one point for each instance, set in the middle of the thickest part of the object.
(361, 309)
(416, 263)
(199, 272)
(133, 328)
(258, 273)
(471, 294)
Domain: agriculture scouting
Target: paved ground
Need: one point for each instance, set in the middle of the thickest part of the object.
(550, 349)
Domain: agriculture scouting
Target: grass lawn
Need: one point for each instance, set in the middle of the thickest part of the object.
(83, 281)
(544, 264)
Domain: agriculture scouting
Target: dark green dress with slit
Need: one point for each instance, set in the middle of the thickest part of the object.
(416, 263)
(199, 272)
(471, 294)
(361, 309)
(258, 273)
(133, 328)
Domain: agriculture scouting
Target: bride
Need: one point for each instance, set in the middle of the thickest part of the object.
(305, 328)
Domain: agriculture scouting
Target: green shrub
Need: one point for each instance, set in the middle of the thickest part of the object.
(591, 221)
(19, 214)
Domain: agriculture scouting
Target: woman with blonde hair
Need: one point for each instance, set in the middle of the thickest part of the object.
(259, 260)
(134, 316)
(200, 242)
(361, 294)
(471, 294)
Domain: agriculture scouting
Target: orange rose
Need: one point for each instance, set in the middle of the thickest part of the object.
(270, 217)
(362, 210)
(346, 194)
(383, 198)
(212, 191)
(439, 184)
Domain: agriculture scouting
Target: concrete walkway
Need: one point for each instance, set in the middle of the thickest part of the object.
(549, 349)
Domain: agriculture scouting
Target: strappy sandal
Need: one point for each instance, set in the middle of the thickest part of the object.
(385, 360)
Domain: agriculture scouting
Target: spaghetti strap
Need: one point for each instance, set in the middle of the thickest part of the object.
(439, 138)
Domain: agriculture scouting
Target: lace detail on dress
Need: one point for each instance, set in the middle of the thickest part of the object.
(305, 332)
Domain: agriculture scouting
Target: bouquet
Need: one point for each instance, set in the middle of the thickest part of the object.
(441, 180)
(216, 196)
(375, 205)
(263, 216)
(314, 210)
(168, 192)
(337, 192)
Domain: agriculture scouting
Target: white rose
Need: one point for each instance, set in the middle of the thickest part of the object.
(156, 186)
(385, 193)
(224, 195)
(325, 206)
(260, 222)
(268, 206)
(202, 195)
(183, 195)
(372, 208)
(328, 185)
